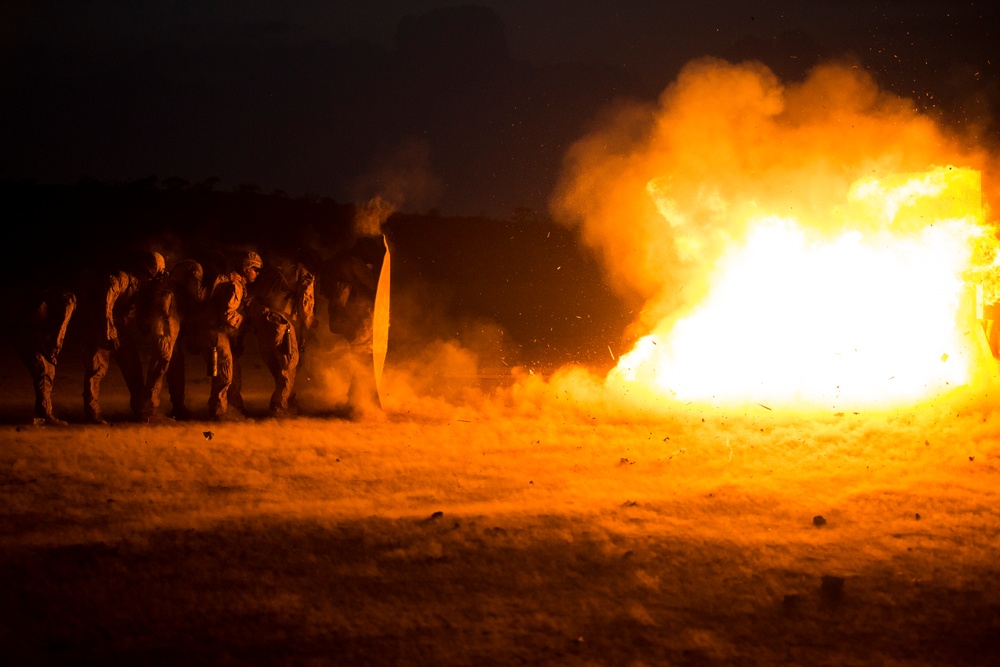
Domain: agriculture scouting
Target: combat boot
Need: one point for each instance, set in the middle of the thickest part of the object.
(49, 420)
(182, 413)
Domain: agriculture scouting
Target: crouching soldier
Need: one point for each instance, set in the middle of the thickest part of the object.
(356, 283)
(38, 333)
(115, 331)
(282, 311)
(174, 305)
(225, 315)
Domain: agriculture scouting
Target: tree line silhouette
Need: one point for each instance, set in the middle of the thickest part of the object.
(527, 275)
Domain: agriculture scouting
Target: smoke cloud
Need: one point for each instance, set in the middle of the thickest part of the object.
(659, 190)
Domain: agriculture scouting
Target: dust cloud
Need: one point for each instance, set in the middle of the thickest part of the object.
(556, 444)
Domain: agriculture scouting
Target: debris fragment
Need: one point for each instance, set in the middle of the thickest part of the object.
(791, 603)
(832, 588)
(819, 521)
(917, 516)
(208, 435)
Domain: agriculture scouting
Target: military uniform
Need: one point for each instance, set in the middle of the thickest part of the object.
(117, 334)
(225, 312)
(350, 282)
(282, 310)
(175, 302)
(38, 334)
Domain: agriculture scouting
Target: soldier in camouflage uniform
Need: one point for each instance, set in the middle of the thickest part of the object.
(38, 333)
(176, 300)
(225, 314)
(117, 333)
(282, 311)
(350, 283)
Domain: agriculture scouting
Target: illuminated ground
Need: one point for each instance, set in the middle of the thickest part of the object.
(528, 527)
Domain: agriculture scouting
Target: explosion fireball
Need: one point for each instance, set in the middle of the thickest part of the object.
(860, 318)
(811, 245)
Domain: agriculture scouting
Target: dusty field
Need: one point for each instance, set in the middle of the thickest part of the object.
(536, 523)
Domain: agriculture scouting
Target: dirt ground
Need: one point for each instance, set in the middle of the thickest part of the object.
(533, 523)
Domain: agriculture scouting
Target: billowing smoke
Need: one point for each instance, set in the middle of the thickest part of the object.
(369, 218)
(659, 190)
(662, 190)
(435, 356)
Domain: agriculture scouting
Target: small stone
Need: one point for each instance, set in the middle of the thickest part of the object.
(819, 521)
(832, 588)
(791, 603)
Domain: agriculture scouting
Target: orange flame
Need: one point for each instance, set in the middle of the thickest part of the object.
(773, 267)
(863, 318)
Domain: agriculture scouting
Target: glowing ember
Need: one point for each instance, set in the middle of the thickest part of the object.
(874, 313)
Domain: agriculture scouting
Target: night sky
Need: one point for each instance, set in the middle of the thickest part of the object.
(466, 109)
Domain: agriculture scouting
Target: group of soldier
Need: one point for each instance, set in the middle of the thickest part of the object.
(170, 312)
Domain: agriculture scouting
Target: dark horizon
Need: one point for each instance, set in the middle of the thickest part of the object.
(530, 279)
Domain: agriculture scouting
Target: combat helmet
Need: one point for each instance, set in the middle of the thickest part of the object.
(250, 259)
(154, 264)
